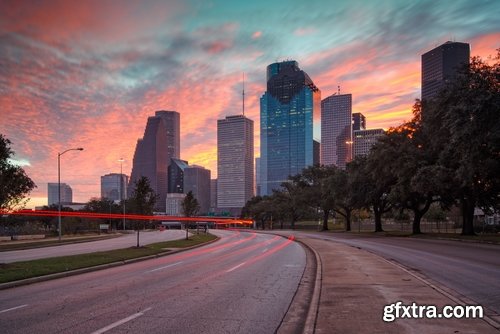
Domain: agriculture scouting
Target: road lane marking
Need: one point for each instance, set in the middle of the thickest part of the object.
(235, 267)
(13, 308)
(121, 322)
(265, 250)
(170, 265)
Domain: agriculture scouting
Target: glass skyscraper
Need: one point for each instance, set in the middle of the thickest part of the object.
(287, 112)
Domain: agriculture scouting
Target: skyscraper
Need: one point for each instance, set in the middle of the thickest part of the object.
(287, 111)
(53, 193)
(336, 130)
(213, 195)
(150, 160)
(235, 182)
(197, 180)
(257, 177)
(173, 127)
(176, 175)
(114, 186)
(441, 65)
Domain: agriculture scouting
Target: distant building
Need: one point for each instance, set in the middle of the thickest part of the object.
(287, 112)
(176, 175)
(358, 121)
(364, 140)
(336, 130)
(114, 186)
(213, 195)
(53, 193)
(151, 160)
(235, 170)
(441, 66)
(257, 177)
(173, 127)
(173, 205)
(197, 180)
(316, 152)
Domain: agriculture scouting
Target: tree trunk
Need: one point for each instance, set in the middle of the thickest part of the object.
(293, 223)
(378, 219)
(347, 220)
(187, 228)
(468, 206)
(326, 214)
(138, 236)
(417, 217)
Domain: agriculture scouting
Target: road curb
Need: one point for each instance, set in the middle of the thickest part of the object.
(44, 278)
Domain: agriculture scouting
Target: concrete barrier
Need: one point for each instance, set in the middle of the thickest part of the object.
(5, 239)
(28, 237)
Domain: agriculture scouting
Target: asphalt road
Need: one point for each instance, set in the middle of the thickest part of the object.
(242, 283)
(471, 269)
(125, 241)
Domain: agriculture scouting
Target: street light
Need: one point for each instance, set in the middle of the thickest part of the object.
(121, 161)
(59, 183)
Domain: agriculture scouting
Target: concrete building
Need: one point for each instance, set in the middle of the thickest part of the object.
(257, 177)
(173, 205)
(235, 163)
(53, 193)
(364, 140)
(287, 112)
(114, 186)
(197, 180)
(441, 66)
(213, 195)
(316, 152)
(172, 121)
(336, 130)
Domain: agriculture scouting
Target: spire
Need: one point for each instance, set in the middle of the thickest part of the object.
(243, 94)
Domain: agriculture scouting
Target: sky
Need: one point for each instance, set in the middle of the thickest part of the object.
(89, 73)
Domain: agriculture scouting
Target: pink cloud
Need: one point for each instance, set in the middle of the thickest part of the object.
(257, 35)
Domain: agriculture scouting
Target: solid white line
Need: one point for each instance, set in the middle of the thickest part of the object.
(235, 267)
(13, 308)
(170, 265)
(121, 322)
(265, 250)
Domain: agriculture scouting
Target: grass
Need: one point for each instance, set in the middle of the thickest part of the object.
(26, 269)
(51, 242)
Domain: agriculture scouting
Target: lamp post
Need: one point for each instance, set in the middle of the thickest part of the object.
(59, 184)
(121, 161)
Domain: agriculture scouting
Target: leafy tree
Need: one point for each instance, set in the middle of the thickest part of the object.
(142, 201)
(14, 183)
(103, 205)
(190, 207)
(341, 192)
(465, 120)
(315, 190)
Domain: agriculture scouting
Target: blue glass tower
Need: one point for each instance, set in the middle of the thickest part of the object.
(287, 113)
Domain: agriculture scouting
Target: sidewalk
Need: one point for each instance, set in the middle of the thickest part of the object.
(356, 285)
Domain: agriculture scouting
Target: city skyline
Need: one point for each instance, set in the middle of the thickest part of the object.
(89, 74)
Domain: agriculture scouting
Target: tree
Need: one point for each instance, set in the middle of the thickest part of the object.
(190, 207)
(14, 183)
(465, 118)
(341, 192)
(102, 205)
(142, 201)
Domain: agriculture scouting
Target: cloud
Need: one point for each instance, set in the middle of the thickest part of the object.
(257, 35)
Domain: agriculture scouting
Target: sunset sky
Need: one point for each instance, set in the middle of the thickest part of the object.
(89, 73)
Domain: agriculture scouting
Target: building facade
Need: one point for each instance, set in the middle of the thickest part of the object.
(364, 140)
(53, 193)
(213, 195)
(336, 130)
(441, 66)
(172, 121)
(114, 186)
(235, 163)
(257, 177)
(197, 180)
(287, 113)
(173, 205)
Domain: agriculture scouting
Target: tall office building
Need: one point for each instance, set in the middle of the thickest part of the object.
(358, 121)
(316, 152)
(176, 175)
(197, 180)
(287, 111)
(235, 182)
(173, 127)
(150, 160)
(53, 193)
(441, 65)
(365, 139)
(336, 130)
(213, 195)
(257, 177)
(114, 186)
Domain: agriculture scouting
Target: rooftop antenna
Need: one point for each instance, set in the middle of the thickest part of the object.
(338, 90)
(243, 94)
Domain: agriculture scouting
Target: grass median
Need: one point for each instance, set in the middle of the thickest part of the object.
(26, 269)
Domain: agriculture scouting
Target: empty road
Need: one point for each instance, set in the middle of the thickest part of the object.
(242, 283)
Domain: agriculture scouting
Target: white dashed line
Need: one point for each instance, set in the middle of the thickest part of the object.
(235, 267)
(170, 265)
(13, 308)
(121, 322)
